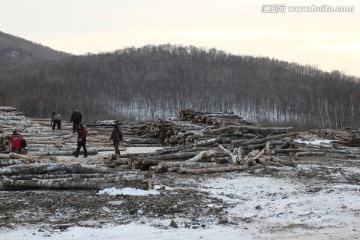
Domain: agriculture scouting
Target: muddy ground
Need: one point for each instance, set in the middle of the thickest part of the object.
(186, 197)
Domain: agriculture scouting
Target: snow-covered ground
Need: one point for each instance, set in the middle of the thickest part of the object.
(258, 207)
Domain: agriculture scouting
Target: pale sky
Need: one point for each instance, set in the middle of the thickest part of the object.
(328, 40)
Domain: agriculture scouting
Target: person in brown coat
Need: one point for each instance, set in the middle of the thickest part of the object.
(116, 137)
(81, 142)
(162, 133)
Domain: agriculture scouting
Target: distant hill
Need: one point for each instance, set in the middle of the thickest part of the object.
(15, 51)
(155, 82)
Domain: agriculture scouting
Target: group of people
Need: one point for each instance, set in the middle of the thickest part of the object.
(18, 143)
(76, 118)
(78, 127)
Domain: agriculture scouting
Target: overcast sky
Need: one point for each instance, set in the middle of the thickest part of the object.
(328, 40)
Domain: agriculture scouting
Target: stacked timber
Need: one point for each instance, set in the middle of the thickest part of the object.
(197, 127)
(196, 143)
(206, 142)
(349, 137)
(211, 140)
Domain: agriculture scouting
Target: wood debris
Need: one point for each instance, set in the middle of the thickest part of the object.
(196, 143)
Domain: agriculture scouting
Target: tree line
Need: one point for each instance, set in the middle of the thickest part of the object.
(154, 82)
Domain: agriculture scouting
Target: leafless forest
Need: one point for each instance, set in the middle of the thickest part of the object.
(157, 81)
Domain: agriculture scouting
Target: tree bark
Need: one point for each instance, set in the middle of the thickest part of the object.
(202, 155)
(234, 158)
(36, 168)
(238, 143)
(211, 170)
(78, 183)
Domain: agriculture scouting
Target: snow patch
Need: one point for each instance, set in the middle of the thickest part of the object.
(128, 191)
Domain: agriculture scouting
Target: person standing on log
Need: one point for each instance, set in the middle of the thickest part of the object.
(55, 120)
(116, 137)
(163, 133)
(81, 142)
(2, 142)
(76, 118)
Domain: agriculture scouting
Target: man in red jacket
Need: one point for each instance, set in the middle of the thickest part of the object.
(17, 142)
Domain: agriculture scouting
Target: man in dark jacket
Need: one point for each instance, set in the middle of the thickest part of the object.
(162, 133)
(116, 137)
(81, 141)
(76, 119)
(55, 120)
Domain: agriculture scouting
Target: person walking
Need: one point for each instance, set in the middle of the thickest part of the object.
(76, 118)
(55, 120)
(81, 141)
(17, 142)
(116, 137)
(163, 133)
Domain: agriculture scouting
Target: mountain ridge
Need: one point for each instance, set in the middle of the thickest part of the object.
(16, 50)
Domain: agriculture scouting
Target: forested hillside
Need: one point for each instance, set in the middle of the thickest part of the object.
(157, 81)
(15, 51)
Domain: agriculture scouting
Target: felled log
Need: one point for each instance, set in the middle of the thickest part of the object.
(9, 162)
(141, 141)
(208, 142)
(65, 153)
(95, 149)
(253, 156)
(287, 151)
(219, 131)
(36, 168)
(173, 166)
(107, 123)
(259, 129)
(262, 145)
(169, 150)
(235, 158)
(7, 109)
(165, 157)
(146, 162)
(78, 183)
(222, 159)
(122, 161)
(21, 156)
(195, 149)
(4, 156)
(231, 168)
(144, 145)
(272, 159)
(238, 143)
(204, 155)
(302, 154)
(65, 175)
(48, 142)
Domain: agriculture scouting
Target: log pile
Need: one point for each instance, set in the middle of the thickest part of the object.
(197, 143)
(219, 142)
(342, 137)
